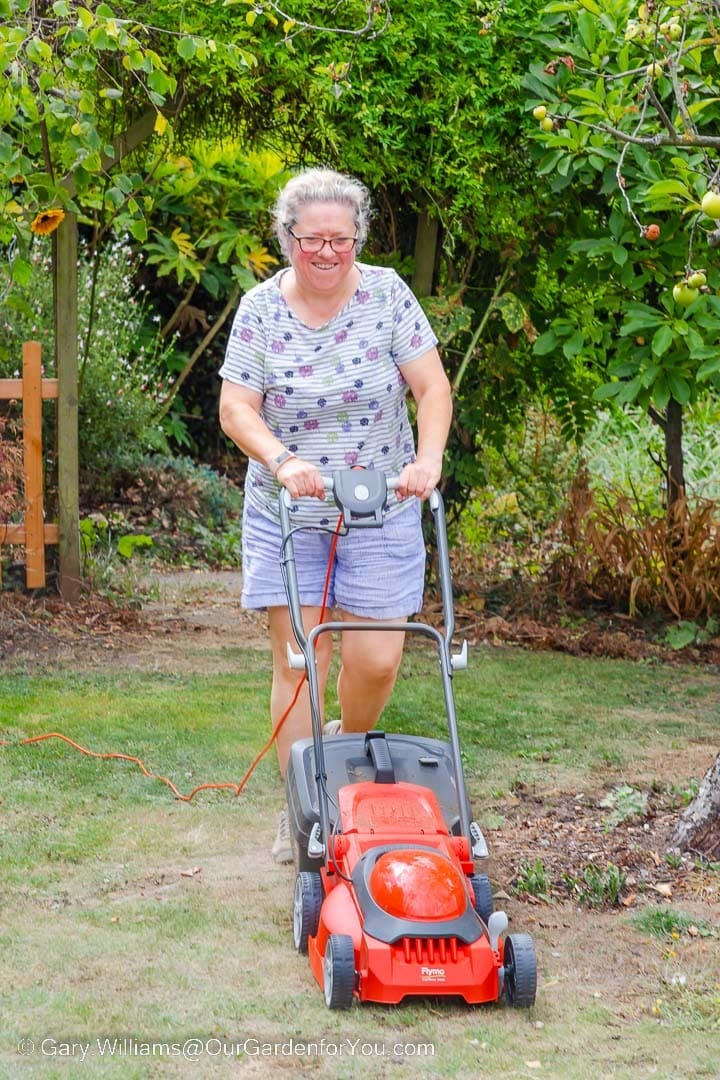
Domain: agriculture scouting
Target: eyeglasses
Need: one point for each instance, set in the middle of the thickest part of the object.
(312, 245)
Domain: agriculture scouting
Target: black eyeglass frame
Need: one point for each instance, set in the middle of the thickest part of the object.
(352, 240)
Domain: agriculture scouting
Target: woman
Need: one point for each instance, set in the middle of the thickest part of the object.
(315, 378)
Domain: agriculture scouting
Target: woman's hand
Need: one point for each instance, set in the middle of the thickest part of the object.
(419, 478)
(301, 478)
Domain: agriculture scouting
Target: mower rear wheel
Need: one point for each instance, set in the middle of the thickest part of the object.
(306, 908)
(482, 894)
(339, 971)
(520, 971)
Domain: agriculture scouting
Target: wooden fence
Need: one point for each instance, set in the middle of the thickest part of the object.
(33, 533)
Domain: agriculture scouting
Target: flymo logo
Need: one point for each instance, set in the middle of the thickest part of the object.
(428, 974)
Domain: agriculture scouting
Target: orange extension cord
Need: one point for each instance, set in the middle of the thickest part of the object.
(237, 788)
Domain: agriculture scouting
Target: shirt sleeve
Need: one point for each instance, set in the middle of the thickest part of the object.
(412, 333)
(245, 353)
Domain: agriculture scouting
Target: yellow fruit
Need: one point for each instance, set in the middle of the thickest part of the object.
(711, 203)
(539, 112)
(697, 279)
(683, 294)
(547, 123)
(674, 31)
(654, 71)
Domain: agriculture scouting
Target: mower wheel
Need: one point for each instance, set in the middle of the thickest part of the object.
(520, 971)
(482, 895)
(306, 908)
(339, 971)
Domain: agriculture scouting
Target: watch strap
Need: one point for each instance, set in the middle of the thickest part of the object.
(280, 460)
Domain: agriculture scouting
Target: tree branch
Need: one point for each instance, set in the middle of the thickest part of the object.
(657, 417)
(214, 329)
(661, 111)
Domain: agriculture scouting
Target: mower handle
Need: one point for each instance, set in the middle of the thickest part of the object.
(368, 506)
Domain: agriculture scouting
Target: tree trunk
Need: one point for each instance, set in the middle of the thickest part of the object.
(426, 240)
(699, 826)
(65, 287)
(674, 464)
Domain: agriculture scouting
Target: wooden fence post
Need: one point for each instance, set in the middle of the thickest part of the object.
(33, 533)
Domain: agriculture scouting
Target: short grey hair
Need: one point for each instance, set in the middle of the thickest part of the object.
(318, 186)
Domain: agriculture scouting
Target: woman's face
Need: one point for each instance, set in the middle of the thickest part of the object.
(324, 270)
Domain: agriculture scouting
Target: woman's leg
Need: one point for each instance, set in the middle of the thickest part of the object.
(285, 679)
(370, 663)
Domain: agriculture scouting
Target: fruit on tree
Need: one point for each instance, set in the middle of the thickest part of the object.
(711, 203)
(683, 294)
(697, 279)
(652, 231)
(540, 112)
(547, 123)
(654, 71)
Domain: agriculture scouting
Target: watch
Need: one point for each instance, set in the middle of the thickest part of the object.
(276, 462)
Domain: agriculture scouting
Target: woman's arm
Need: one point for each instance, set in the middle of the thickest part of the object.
(241, 421)
(430, 388)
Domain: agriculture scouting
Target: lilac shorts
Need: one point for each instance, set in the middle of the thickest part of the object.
(377, 574)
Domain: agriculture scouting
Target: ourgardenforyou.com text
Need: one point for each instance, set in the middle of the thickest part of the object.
(193, 1049)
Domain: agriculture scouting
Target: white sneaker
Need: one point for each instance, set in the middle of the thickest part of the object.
(281, 850)
(333, 727)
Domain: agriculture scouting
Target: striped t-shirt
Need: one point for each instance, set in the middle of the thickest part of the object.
(334, 395)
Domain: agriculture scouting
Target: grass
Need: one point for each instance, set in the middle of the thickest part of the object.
(128, 913)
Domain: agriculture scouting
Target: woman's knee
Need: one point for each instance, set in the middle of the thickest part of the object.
(377, 665)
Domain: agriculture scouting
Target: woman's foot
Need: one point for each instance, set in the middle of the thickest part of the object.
(282, 848)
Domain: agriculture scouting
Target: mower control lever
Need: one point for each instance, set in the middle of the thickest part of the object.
(361, 497)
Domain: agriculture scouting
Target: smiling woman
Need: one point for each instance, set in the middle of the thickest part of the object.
(318, 366)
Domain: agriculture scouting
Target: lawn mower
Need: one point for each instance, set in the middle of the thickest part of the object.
(387, 903)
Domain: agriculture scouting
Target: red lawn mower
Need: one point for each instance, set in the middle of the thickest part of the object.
(387, 902)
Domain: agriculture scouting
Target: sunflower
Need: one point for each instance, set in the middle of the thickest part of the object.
(46, 222)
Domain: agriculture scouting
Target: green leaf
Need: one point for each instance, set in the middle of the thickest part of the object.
(186, 48)
(630, 390)
(710, 367)
(546, 343)
(587, 25)
(513, 312)
(574, 344)
(662, 340)
(669, 187)
(679, 388)
(607, 391)
(22, 271)
(127, 545)
(661, 391)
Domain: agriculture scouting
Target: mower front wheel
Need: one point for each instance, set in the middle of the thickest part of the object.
(520, 971)
(306, 908)
(339, 971)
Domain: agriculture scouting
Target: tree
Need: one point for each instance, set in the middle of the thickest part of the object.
(426, 114)
(626, 101)
(82, 88)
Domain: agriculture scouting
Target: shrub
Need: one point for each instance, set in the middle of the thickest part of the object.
(122, 364)
(11, 457)
(192, 513)
(617, 553)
